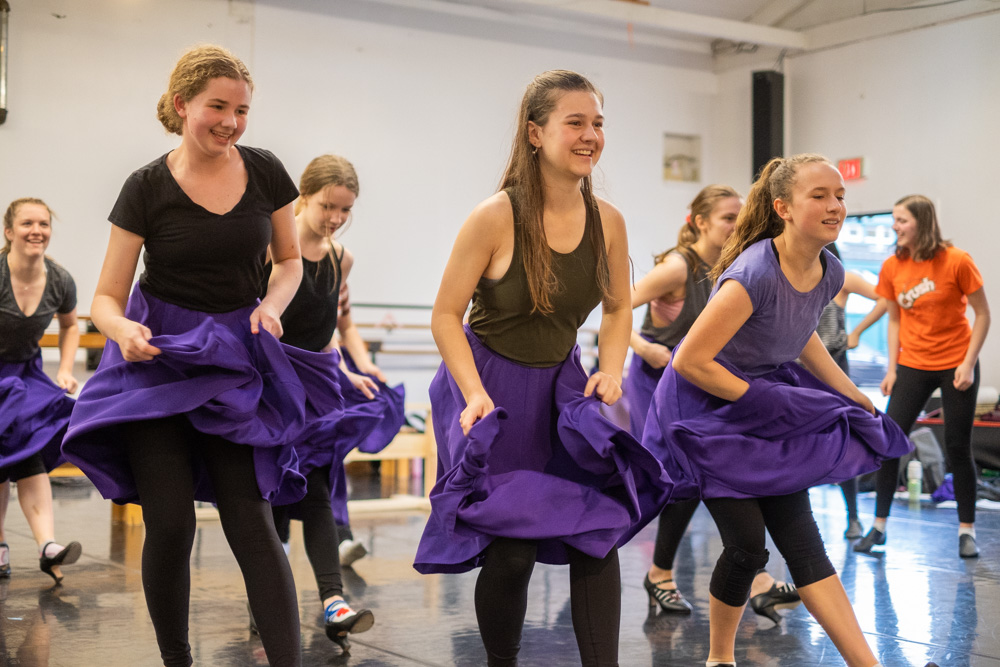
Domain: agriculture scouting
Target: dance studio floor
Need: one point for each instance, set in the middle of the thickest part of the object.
(918, 602)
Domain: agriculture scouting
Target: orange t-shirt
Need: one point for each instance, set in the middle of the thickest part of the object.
(934, 332)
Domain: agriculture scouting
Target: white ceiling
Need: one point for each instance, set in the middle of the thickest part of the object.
(692, 31)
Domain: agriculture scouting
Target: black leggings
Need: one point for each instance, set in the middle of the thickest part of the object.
(161, 456)
(319, 531)
(741, 523)
(502, 601)
(674, 520)
(909, 395)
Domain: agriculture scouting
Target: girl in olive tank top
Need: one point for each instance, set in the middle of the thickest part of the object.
(526, 472)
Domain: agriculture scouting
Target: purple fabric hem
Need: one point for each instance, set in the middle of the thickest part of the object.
(249, 389)
(545, 465)
(789, 432)
(34, 414)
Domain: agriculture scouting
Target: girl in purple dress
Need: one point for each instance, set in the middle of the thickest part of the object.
(34, 411)
(195, 398)
(741, 426)
(528, 469)
(677, 290)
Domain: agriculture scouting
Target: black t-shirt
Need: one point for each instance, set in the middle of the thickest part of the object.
(19, 335)
(311, 316)
(195, 258)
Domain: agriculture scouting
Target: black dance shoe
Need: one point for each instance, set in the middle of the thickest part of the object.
(785, 596)
(854, 529)
(69, 554)
(669, 599)
(967, 546)
(875, 537)
(341, 620)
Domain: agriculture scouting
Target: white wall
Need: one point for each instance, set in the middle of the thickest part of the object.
(920, 107)
(425, 110)
(425, 115)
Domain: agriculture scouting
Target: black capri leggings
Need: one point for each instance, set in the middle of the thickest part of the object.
(909, 395)
(741, 523)
(161, 454)
(319, 531)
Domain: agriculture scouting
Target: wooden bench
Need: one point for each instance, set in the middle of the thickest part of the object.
(89, 340)
(408, 444)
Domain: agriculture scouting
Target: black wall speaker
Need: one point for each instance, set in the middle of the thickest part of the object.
(768, 117)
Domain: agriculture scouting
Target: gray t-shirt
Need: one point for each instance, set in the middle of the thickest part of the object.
(783, 318)
(19, 334)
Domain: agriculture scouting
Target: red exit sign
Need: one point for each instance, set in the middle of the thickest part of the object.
(852, 169)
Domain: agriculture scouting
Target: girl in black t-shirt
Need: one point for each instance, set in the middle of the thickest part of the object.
(34, 411)
(212, 413)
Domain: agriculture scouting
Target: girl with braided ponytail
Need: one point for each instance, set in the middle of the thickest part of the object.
(739, 425)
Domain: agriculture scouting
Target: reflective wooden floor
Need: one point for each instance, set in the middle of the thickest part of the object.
(917, 602)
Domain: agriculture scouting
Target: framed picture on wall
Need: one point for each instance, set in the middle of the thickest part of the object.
(681, 157)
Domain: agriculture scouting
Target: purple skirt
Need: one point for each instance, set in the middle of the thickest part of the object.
(545, 466)
(249, 389)
(789, 432)
(366, 424)
(639, 387)
(34, 413)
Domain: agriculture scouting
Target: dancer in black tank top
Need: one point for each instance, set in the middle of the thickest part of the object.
(327, 191)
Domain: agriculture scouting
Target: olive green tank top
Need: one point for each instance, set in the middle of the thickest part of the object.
(501, 309)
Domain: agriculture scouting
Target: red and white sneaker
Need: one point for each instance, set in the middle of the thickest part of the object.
(341, 620)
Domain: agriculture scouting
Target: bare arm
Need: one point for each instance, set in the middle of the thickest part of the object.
(108, 308)
(286, 273)
(728, 310)
(616, 318)
(965, 373)
(351, 339)
(478, 241)
(855, 284)
(873, 316)
(818, 361)
(666, 277)
(69, 343)
(890, 373)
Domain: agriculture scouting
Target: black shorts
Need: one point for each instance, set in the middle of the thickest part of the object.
(33, 465)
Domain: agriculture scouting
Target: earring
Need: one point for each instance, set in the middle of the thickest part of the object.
(535, 151)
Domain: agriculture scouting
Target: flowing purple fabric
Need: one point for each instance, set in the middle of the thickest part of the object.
(249, 389)
(34, 413)
(365, 424)
(789, 432)
(639, 387)
(545, 465)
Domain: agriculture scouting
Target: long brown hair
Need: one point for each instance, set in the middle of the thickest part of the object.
(323, 172)
(524, 175)
(190, 77)
(758, 219)
(929, 239)
(8, 216)
(703, 204)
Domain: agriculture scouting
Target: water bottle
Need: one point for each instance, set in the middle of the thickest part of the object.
(914, 479)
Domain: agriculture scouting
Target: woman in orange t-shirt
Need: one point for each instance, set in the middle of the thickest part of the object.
(927, 285)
